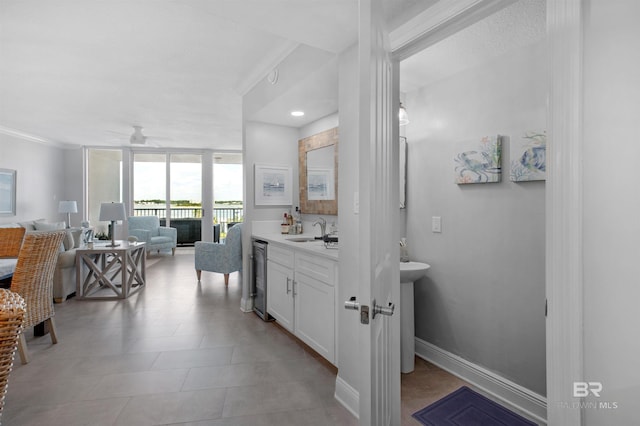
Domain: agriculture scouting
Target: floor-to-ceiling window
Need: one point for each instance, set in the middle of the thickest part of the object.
(190, 191)
(150, 184)
(104, 183)
(228, 204)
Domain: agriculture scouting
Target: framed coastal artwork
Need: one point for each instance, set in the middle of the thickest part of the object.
(7, 192)
(272, 185)
(478, 160)
(528, 157)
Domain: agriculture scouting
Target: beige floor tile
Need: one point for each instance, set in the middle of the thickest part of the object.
(161, 409)
(193, 358)
(183, 352)
(270, 398)
(102, 412)
(142, 383)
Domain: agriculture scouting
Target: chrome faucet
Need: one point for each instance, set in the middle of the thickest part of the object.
(323, 226)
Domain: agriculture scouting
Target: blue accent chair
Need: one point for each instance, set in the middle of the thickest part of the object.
(147, 229)
(224, 258)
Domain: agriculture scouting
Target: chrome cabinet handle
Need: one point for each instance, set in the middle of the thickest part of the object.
(288, 281)
(294, 288)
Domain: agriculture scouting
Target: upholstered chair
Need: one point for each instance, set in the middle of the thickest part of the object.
(224, 258)
(33, 280)
(147, 229)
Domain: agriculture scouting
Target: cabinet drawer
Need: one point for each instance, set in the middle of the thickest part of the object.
(281, 255)
(318, 267)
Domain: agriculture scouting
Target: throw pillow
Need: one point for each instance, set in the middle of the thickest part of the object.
(44, 226)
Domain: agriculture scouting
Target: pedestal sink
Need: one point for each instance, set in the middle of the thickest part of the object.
(409, 272)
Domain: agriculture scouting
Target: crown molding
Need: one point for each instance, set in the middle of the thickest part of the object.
(33, 138)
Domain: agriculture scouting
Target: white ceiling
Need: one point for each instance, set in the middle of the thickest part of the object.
(83, 72)
(520, 24)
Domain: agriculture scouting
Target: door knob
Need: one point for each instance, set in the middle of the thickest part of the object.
(352, 304)
(382, 310)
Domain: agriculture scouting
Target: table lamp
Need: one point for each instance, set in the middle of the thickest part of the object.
(68, 207)
(112, 212)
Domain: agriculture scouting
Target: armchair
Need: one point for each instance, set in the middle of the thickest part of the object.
(223, 257)
(147, 229)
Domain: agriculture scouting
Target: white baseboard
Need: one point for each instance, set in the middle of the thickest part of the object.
(518, 397)
(347, 396)
(246, 305)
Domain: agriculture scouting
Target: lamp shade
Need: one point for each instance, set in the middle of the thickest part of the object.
(66, 206)
(112, 211)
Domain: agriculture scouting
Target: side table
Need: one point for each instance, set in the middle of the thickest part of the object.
(108, 273)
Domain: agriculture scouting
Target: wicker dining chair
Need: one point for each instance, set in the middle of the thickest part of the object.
(33, 280)
(12, 312)
(11, 241)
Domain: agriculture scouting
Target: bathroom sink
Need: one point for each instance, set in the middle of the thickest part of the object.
(412, 271)
(301, 239)
(409, 272)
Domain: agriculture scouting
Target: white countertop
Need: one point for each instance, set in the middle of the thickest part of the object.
(315, 247)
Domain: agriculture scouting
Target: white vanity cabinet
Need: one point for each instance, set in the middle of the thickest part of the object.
(301, 296)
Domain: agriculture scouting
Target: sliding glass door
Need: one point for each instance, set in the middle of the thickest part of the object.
(179, 203)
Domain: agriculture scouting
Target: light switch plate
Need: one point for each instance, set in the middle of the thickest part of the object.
(356, 202)
(436, 224)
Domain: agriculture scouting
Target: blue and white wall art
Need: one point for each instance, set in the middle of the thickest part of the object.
(479, 161)
(528, 157)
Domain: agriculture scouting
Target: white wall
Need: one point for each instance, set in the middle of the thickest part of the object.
(484, 296)
(611, 206)
(271, 145)
(41, 173)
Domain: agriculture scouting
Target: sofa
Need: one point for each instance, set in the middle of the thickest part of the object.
(64, 277)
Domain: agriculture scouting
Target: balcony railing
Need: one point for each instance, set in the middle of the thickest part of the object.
(187, 220)
(223, 215)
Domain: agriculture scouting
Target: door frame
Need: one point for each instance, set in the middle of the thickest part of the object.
(564, 262)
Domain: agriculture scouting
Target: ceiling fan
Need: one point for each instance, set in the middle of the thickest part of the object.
(137, 138)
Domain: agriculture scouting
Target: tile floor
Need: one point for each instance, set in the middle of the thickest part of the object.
(183, 353)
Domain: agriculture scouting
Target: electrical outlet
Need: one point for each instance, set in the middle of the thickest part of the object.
(436, 224)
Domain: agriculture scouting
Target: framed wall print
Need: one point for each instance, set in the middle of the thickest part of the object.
(273, 186)
(7, 192)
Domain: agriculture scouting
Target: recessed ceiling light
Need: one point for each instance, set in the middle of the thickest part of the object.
(297, 113)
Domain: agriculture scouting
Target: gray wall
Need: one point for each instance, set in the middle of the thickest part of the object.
(611, 205)
(484, 296)
(42, 173)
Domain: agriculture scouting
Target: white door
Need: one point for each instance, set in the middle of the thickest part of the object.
(379, 276)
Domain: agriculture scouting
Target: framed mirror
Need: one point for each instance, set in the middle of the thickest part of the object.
(318, 171)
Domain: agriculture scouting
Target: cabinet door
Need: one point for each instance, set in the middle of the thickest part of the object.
(315, 315)
(280, 294)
